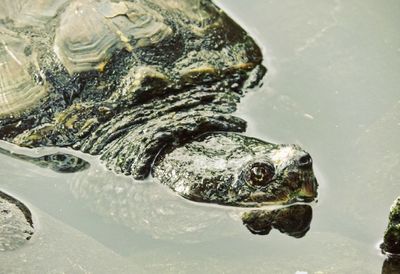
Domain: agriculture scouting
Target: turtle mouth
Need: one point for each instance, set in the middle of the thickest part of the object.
(305, 192)
(308, 191)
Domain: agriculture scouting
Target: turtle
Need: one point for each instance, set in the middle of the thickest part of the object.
(150, 87)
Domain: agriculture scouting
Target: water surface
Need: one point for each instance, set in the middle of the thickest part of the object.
(332, 87)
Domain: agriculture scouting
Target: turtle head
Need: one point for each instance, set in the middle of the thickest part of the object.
(231, 169)
(282, 175)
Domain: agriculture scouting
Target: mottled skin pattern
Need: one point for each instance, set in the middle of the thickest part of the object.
(144, 99)
(231, 169)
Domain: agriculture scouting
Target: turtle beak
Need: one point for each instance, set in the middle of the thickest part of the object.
(308, 191)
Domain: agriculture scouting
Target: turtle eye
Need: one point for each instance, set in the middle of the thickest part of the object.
(261, 174)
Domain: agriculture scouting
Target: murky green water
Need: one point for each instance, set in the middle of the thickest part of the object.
(332, 87)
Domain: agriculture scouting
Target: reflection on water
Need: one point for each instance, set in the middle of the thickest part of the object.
(123, 200)
(293, 220)
(391, 265)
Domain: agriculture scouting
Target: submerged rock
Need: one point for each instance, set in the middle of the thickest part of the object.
(391, 239)
(16, 225)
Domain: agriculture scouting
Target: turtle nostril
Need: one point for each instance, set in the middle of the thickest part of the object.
(305, 161)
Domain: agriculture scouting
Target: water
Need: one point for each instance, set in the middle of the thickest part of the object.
(332, 87)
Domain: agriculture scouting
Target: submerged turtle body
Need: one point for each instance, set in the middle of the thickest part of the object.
(124, 79)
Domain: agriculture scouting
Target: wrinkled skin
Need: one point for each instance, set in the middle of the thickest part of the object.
(175, 70)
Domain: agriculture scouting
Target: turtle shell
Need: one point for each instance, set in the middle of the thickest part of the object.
(25, 13)
(121, 78)
(90, 32)
(20, 86)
